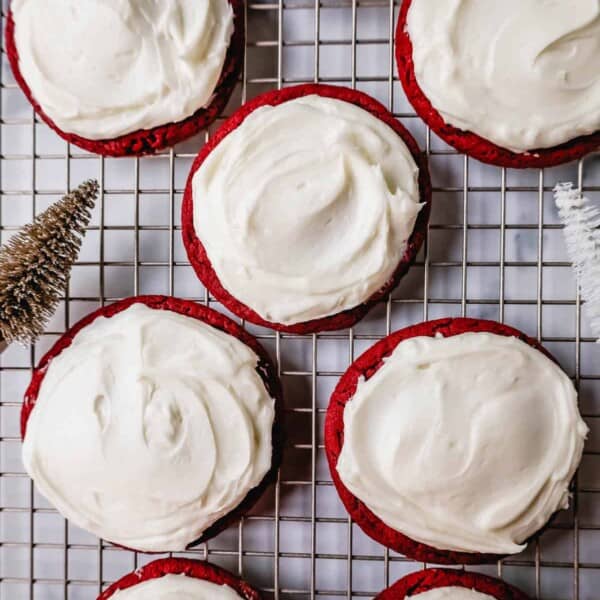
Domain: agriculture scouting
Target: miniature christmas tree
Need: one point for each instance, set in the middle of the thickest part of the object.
(35, 264)
(581, 220)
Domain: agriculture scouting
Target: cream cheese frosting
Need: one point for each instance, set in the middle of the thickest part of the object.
(466, 443)
(149, 427)
(520, 73)
(452, 593)
(306, 208)
(104, 68)
(177, 587)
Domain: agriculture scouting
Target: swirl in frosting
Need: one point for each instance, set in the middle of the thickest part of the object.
(465, 443)
(101, 69)
(306, 208)
(149, 428)
(521, 73)
(177, 587)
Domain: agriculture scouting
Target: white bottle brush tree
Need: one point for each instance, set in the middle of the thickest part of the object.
(581, 221)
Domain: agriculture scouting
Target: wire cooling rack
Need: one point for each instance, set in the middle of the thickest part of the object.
(494, 250)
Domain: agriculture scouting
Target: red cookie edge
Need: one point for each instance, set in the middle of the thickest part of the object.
(182, 566)
(148, 141)
(265, 369)
(470, 143)
(366, 366)
(197, 253)
(430, 579)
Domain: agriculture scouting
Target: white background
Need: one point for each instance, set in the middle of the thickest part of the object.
(495, 250)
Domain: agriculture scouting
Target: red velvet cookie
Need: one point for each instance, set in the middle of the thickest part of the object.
(181, 566)
(197, 253)
(466, 141)
(148, 141)
(265, 369)
(423, 581)
(366, 366)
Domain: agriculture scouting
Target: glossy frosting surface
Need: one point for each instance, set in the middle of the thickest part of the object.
(452, 593)
(150, 427)
(520, 73)
(465, 443)
(306, 208)
(104, 68)
(177, 587)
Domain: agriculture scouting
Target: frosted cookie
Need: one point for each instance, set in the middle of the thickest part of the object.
(510, 83)
(152, 423)
(454, 441)
(306, 208)
(126, 78)
(445, 584)
(179, 578)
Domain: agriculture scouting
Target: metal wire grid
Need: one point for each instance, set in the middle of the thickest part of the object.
(299, 543)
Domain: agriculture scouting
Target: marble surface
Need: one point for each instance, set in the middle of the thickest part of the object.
(490, 254)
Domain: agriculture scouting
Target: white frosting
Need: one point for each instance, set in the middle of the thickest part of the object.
(305, 209)
(149, 428)
(521, 73)
(451, 593)
(103, 68)
(177, 587)
(465, 443)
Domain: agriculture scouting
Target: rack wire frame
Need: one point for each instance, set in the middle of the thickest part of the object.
(24, 574)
